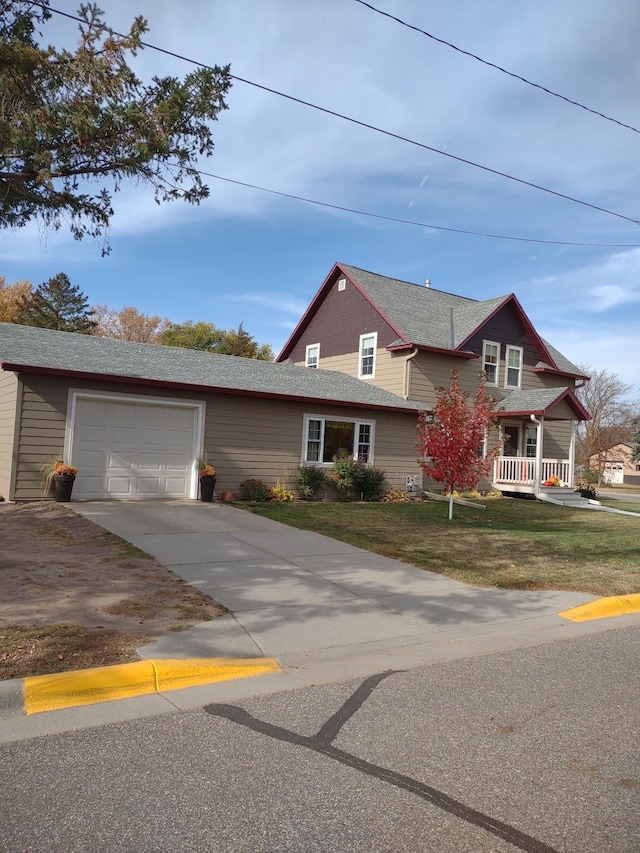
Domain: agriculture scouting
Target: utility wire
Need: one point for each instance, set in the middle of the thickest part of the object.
(497, 67)
(368, 126)
(413, 222)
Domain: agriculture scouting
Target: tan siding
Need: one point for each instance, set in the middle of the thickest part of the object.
(389, 369)
(556, 440)
(8, 403)
(430, 370)
(531, 379)
(244, 436)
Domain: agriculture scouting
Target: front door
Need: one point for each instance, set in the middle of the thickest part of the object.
(512, 442)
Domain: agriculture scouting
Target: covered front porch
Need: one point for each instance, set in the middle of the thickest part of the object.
(538, 429)
(526, 475)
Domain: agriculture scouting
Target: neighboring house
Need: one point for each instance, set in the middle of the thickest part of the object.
(615, 466)
(135, 417)
(407, 338)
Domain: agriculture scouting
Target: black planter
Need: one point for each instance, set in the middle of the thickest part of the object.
(207, 486)
(63, 484)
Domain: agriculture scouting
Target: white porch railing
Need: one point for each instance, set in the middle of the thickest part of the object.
(522, 471)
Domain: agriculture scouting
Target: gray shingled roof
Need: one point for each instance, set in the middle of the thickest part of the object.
(562, 363)
(537, 400)
(423, 315)
(27, 346)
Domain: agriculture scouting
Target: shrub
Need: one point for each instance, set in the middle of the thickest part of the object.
(396, 496)
(355, 479)
(309, 480)
(280, 494)
(254, 490)
(587, 491)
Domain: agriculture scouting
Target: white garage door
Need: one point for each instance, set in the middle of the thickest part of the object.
(132, 449)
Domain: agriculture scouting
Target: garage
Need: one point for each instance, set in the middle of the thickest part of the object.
(133, 447)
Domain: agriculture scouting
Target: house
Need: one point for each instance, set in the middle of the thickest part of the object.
(407, 338)
(135, 417)
(615, 465)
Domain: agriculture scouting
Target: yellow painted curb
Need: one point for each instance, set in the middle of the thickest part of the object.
(603, 608)
(107, 683)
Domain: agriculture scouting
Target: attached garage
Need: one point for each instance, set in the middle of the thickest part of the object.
(133, 447)
(134, 418)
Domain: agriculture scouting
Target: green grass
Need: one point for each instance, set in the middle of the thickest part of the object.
(515, 544)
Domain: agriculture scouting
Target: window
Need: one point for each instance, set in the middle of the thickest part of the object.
(367, 355)
(312, 356)
(491, 361)
(513, 374)
(530, 442)
(329, 437)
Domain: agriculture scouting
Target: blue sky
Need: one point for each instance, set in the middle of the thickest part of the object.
(251, 257)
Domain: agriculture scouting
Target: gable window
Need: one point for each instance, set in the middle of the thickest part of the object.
(312, 356)
(491, 361)
(513, 367)
(367, 361)
(329, 437)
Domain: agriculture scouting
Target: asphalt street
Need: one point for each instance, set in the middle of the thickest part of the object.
(533, 749)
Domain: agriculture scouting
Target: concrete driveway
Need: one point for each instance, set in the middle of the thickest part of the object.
(324, 609)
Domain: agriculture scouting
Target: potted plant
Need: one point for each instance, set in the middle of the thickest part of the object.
(207, 475)
(61, 475)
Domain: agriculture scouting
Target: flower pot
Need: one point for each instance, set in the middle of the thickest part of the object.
(63, 484)
(207, 486)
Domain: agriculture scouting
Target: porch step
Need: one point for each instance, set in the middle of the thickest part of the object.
(565, 497)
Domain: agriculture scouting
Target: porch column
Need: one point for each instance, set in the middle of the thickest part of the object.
(572, 455)
(537, 480)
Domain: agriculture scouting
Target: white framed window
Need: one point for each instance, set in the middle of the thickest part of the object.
(367, 359)
(513, 367)
(491, 361)
(326, 437)
(312, 356)
(342, 284)
(530, 441)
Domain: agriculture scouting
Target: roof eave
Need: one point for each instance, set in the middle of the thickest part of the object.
(199, 388)
(439, 350)
(555, 371)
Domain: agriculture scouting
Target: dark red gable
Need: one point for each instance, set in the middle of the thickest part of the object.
(335, 319)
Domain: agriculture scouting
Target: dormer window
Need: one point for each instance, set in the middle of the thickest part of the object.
(366, 368)
(513, 367)
(312, 356)
(491, 361)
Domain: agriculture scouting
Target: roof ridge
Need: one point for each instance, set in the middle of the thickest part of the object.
(411, 283)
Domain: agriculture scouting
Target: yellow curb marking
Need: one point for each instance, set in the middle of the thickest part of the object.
(603, 608)
(107, 683)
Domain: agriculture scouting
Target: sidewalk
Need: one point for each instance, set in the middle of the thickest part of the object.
(324, 610)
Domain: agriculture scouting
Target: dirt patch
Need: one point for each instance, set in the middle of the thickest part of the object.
(73, 595)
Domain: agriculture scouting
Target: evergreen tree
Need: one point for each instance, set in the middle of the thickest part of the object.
(57, 304)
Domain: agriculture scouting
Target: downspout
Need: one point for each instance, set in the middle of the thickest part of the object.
(407, 371)
(538, 474)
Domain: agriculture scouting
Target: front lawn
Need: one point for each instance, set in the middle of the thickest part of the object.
(516, 544)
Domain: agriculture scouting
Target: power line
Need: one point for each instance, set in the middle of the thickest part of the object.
(368, 126)
(498, 67)
(413, 222)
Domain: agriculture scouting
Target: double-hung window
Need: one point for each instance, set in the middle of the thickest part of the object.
(513, 367)
(367, 362)
(312, 356)
(329, 437)
(491, 361)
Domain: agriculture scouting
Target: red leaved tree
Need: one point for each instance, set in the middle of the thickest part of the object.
(451, 438)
